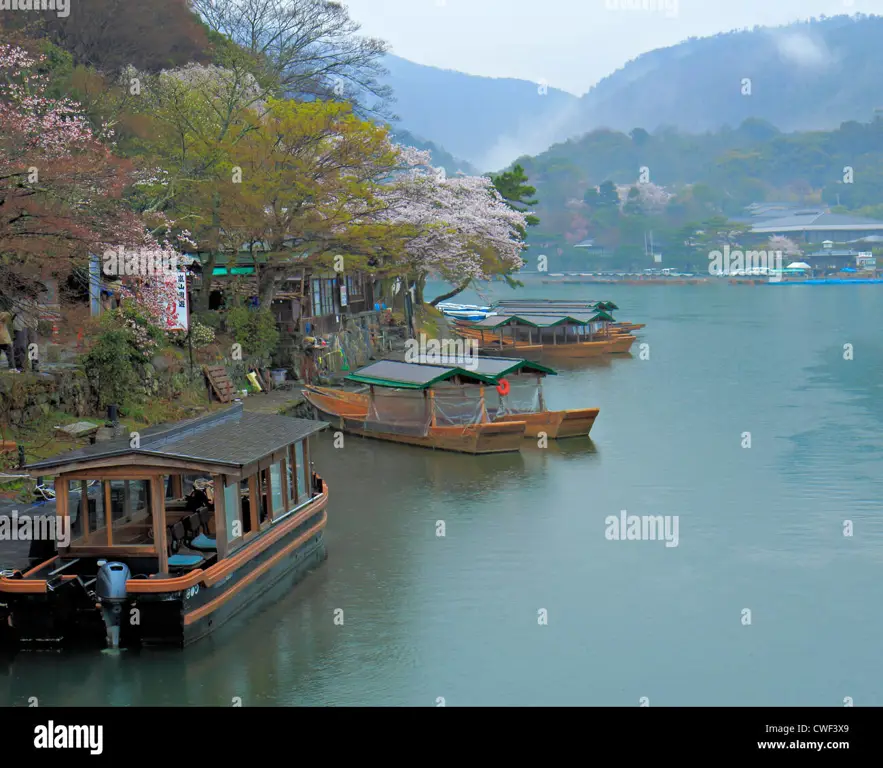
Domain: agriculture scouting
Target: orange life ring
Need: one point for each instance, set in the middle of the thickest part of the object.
(503, 387)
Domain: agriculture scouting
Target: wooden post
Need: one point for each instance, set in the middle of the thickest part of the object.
(177, 486)
(484, 416)
(62, 486)
(432, 422)
(157, 499)
(542, 399)
(107, 515)
(221, 513)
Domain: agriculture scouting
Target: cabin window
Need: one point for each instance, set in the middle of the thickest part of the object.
(131, 518)
(86, 507)
(301, 473)
(263, 480)
(276, 488)
(74, 497)
(233, 511)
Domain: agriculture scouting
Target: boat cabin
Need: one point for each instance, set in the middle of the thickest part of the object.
(439, 391)
(215, 506)
(549, 329)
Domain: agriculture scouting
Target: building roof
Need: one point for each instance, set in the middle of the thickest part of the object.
(230, 437)
(816, 221)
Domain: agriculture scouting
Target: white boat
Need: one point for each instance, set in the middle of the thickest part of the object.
(465, 311)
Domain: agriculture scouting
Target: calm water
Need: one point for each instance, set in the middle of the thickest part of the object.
(760, 528)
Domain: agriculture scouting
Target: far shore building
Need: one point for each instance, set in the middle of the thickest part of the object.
(808, 225)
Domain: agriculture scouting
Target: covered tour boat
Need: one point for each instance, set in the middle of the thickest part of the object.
(530, 334)
(138, 560)
(466, 394)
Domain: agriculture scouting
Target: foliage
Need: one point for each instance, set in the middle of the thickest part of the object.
(111, 34)
(312, 48)
(514, 189)
(201, 335)
(60, 185)
(115, 363)
(255, 331)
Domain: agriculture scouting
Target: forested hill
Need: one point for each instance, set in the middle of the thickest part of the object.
(752, 163)
(807, 75)
(803, 76)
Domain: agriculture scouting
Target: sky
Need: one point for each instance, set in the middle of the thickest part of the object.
(568, 44)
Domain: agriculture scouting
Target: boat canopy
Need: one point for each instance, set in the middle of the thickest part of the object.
(494, 368)
(540, 321)
(423, 375)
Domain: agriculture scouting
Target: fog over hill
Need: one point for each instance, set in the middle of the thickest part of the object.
(807, 75)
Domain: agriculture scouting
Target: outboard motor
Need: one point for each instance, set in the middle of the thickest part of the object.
(110, 588)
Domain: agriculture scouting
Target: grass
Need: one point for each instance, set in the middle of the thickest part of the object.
(42, 441)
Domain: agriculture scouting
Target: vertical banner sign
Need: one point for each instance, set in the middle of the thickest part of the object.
(179, 312)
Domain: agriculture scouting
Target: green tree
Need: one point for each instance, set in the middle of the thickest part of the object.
(514, 189)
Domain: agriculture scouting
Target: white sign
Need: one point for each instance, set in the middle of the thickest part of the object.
(866, 260)
(178, 312)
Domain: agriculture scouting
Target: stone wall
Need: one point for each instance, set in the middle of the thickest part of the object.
(26, 398)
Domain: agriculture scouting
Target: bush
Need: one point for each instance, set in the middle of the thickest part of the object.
(201, 335)
(116, 362)
(210, 318)
(255, 331)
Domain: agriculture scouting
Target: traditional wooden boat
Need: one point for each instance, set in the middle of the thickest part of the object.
(431, 406)
(508, 391)
(553, 335)
(134, 561)
(546, 307)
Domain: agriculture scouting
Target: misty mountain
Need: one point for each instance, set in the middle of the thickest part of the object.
(803, 76)
(487, 121)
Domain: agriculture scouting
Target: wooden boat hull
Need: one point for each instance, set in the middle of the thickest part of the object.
(173, 611)
(555, 424)
(618, 344)
(347, 414)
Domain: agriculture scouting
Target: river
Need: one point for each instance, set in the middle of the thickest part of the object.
(525, 601)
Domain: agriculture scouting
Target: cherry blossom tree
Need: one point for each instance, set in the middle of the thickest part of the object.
(784, 244)
(460, 227)
(61, 187)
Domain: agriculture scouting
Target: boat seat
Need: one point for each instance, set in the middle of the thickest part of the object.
(184, 561)
(177, 536)
(196, 531)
